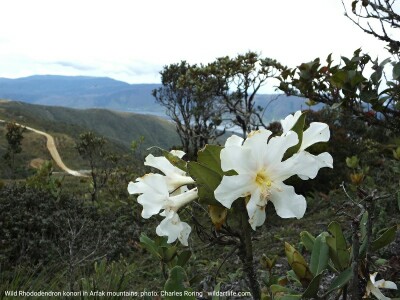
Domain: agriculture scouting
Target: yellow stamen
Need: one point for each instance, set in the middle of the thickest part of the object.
(264, 183)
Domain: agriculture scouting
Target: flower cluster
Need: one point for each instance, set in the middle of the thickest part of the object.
(261, 169)
(261, 164)
(166, 192)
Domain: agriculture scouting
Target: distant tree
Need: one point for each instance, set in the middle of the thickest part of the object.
(14, 136)
(380, 18)
(238, 81)
(190, 104)
(92, 148)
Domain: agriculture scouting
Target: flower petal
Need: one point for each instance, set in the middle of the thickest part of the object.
(153, 188)
(234, 140)
(234, 187)
(178, 153)
(163, 165)
(287, 203)
(237, 158)
(257, 142)
(173, 228)
(277, 146)
(375, 291)
(383, 284)
(290, 121)
(302, 164)
(317, 132)
(256, 209)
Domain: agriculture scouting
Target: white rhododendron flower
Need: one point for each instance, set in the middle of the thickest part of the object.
(261, 172)
(317, 132)
(174, 176)
(167, 194)
(173, 227)
(375, 286)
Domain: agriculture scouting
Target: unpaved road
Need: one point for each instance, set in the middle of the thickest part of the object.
(51, 146)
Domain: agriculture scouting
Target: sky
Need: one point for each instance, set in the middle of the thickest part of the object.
(131, 40)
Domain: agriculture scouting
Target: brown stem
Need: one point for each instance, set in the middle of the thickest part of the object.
(355, 264)
(246, 251)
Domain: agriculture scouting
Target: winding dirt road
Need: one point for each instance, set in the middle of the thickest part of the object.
(51, 146)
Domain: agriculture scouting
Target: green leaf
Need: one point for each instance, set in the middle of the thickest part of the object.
(338, 251)
(183, 257)
(319, 255)
(385, 239)
(207, 181)
(307, 240)
(396, 71)
(150, 246)
(312, 289)
(298, 128)
(175, 160)
(339, 78)
(169, 253)
(298, 265)
(210, 156)
(341, 280)
(176, 284)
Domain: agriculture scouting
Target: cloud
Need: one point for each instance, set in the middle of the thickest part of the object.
(74, 65)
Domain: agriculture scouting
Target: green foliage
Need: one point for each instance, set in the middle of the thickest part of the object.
(40, 227)
(385, 239)
(207, 173)
(177, 284)
(115, 277)
(14, 137)
(319, 255)
(168, 255)
(338, 248)
(44, 180)
(348, 86)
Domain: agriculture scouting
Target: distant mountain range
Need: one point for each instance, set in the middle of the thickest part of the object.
(103, 92)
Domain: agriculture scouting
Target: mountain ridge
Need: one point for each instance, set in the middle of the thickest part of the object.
(85, 92)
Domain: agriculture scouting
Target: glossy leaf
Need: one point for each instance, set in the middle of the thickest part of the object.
(307, 239)
(210, 156)
(150, 246)
(319, 255)
(341, 280)
(207, 180)
(312, 289)
(338, 251)
(385, 239)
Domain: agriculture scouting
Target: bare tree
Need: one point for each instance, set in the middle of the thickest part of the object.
(380, 18)
(191, 103)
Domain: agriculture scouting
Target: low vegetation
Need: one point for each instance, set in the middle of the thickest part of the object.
(86, 237)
